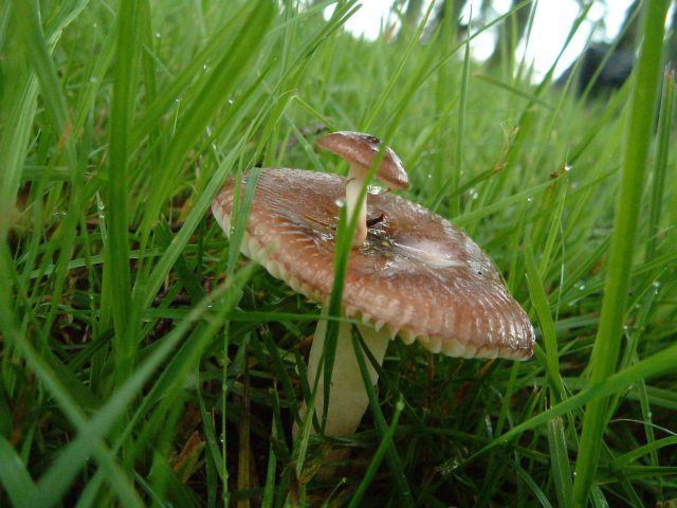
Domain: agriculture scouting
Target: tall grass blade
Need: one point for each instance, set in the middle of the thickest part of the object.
(607, 344)
(117, 248)
(668, 110)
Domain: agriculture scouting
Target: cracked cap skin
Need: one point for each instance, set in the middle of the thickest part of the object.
(417, 274)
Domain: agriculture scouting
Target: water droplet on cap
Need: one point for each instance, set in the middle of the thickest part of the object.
(376, 190)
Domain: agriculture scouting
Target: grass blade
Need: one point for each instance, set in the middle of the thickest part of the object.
(559, 466)
(382, 427)
(13, 475)
(117, 250)
(667, 115)
(607, 343)
(384, 445)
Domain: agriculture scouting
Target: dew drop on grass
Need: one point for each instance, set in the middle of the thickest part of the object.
(489, 428)
(473, 193)
(656, 287)
(530, 199)
(340, 202)
(449, 467)
(567, 168)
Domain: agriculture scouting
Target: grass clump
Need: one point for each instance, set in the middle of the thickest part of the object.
(143, 361)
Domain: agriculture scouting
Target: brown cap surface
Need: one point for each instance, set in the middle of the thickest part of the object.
(360, 149)
(417, 274)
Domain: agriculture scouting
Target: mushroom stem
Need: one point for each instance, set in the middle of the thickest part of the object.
(348, 399)
(354, 186)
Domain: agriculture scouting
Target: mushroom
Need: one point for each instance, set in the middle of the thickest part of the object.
(360, 150)
(415, 275)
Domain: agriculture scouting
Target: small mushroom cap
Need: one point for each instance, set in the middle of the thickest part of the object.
(418, 274)
(360, 150)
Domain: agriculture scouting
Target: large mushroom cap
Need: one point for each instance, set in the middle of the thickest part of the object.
(360, 150)
(417, 273)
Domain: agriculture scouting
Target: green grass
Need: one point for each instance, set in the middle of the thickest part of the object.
(143, 361)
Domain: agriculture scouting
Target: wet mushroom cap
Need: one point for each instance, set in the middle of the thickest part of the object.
(360, 150)
(417, 274)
